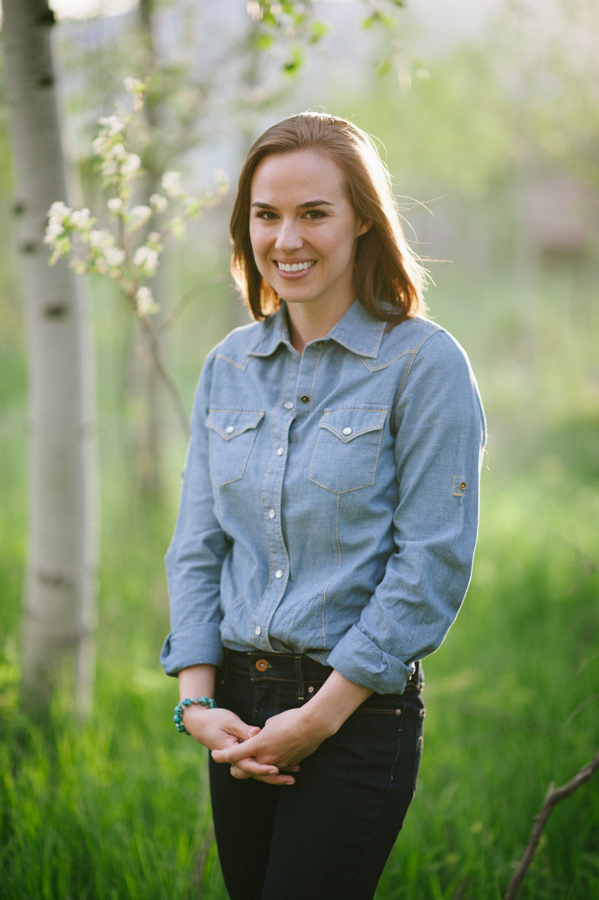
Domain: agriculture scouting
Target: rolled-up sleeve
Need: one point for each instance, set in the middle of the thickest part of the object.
(439, 441)
(196, 553)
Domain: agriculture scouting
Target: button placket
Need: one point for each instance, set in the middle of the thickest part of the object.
(282, 419)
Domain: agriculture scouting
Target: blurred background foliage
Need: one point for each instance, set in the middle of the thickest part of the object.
(490, 125)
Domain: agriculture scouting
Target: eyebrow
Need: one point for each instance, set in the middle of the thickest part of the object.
(309, 204)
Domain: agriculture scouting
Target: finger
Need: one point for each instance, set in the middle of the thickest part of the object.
(244, 732)
(253, 767)
(235, 752)
(280, 779)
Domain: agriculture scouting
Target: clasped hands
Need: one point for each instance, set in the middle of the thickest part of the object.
(267, 754)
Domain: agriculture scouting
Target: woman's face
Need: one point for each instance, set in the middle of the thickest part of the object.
(303, 229)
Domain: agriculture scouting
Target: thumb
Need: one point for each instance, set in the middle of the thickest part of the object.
(239, 750)
(244, 732)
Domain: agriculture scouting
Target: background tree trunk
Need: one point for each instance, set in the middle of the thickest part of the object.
(59, 604)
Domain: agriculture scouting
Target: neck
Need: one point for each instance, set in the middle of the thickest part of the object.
(308, 324)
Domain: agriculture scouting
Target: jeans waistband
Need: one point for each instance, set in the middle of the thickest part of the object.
(291, 667)
(280, 666)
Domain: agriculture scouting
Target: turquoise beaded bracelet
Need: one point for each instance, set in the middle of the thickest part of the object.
(198, 701)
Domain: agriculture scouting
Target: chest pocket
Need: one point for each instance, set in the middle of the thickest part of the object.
(232, 435)
(347, 449)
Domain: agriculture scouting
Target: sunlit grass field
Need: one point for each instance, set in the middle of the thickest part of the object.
(118, 809)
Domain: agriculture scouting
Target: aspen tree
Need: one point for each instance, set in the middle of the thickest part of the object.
(59, 601)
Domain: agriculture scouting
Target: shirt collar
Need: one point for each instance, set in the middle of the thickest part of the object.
(357, 331)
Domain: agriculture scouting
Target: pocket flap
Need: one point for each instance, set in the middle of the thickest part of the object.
(347, 424)
(230, 423)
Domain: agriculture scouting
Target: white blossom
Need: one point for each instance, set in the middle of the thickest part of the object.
(59, 211)
(112, 124)
(115, 205)
(109, 168)
(133, 85)
(100, 239)
(146, 258)
(99, 145)
(113, 257)
(54, 229)
(131, 164)
(145, 301)
(158, 202)
(140, 215)
(118, 151)
(82, 218)
(171, 183)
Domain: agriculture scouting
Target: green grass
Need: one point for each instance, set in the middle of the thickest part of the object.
(118, 808)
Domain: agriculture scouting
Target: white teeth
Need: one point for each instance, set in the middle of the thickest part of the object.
(295, 267)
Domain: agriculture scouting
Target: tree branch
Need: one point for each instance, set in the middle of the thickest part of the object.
(554, 796)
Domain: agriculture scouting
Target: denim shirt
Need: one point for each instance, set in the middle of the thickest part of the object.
(329, 504)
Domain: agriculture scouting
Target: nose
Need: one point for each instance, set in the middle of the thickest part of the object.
(289, 237)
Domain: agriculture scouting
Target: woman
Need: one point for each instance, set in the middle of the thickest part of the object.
(327, 523)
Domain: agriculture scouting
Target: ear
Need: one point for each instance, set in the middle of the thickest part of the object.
(363, 226)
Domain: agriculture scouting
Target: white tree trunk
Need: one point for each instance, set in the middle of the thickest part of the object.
(59, 606)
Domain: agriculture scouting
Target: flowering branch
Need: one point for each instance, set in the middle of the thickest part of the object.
(127, 252)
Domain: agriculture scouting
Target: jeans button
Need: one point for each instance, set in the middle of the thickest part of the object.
(262, 665)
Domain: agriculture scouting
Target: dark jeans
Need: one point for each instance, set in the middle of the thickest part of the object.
(328, 836)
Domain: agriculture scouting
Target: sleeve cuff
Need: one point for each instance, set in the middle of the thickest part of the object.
(359, 660)
(192, 646)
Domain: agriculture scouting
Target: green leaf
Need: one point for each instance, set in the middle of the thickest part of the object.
(317, 32)
(263, 41)
(294, 62)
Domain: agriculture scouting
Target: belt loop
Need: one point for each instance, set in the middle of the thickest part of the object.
(299, 672)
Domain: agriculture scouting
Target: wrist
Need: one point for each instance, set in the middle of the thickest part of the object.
(198, 702)
(334, 703)
(320, 719)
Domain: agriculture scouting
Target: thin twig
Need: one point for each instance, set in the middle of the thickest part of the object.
(580, 707)
(154, 352)
(176, 312)
(554, 796)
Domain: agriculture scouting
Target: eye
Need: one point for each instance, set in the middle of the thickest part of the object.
(316, 214)
(265, 214)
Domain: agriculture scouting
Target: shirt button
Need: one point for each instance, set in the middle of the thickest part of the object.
(280, 451)
(257, 630)
(305, 398)
(288, 405)
(347, 431)
(279, 573)
(229, 429)
(271, 513)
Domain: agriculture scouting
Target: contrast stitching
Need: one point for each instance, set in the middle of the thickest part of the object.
(385, 365)
(233, 362)
(410, 364)
(314, 378)
(357, 487)
(270, 568)
(239, 477)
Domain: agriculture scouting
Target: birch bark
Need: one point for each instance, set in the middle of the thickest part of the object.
(59, 602)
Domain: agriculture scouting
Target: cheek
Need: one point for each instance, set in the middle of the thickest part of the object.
(257, 245)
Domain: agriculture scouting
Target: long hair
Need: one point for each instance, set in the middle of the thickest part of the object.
(389, 280)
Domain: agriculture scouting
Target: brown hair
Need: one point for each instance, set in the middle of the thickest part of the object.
(389, 280)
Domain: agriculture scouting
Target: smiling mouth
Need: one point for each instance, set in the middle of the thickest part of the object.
(295, 267)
